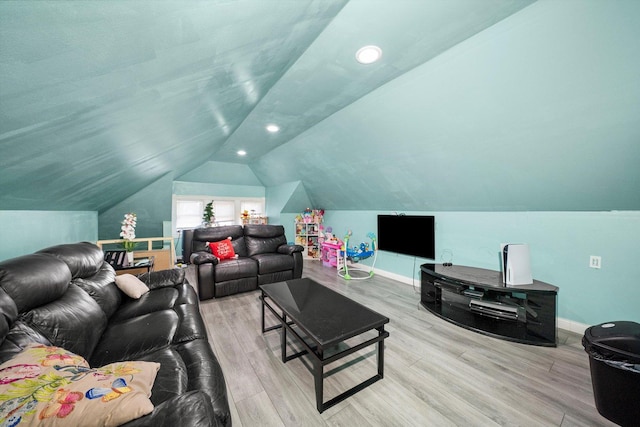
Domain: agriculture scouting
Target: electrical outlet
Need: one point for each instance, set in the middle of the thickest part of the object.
(595, 261)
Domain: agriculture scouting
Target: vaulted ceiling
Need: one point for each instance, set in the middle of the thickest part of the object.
(475, 105)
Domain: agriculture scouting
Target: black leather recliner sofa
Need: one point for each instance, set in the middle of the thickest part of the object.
(264, 256)
(65, 296)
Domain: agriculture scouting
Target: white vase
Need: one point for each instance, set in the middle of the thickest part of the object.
(130, 257)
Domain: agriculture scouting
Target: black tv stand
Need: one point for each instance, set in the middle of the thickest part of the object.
(477, 299)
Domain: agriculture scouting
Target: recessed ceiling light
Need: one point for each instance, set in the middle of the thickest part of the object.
(368, 54)
(273, 128)
(242, 153)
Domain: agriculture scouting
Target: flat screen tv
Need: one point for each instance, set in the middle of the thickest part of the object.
(408, 235)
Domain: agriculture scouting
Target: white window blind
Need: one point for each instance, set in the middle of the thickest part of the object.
(225, 212)
(189, 213)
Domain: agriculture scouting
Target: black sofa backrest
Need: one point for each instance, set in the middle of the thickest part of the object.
(247, 240)
(84, 259)
(262, 239)
(62, 295)
(214, 234)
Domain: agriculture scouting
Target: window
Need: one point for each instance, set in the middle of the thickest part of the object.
(188, 210)
(189, 213)
(225, 212)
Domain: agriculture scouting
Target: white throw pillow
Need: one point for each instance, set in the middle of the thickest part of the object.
(131, 285)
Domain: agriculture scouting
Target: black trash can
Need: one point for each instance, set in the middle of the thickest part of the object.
(614, 359)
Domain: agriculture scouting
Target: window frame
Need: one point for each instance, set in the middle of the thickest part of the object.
(237, 204)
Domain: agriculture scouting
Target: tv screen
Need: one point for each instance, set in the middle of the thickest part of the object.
(408, 235)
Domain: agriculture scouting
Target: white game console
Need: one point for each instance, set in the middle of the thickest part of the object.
(516, 264)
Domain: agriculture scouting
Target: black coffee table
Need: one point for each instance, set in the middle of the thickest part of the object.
(326, 319)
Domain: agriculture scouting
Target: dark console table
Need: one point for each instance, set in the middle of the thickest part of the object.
(477, 299)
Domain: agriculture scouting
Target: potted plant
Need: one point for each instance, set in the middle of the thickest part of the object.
(128, 233)
(209, 215)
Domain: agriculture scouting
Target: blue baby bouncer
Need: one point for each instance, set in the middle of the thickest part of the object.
(356, 254)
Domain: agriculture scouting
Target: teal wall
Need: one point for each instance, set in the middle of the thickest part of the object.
(560, 243)
(221, 180)
(290, 197)
(288, 220)
(220, 190)
(222, 173)
(24, 232)
(152, 205)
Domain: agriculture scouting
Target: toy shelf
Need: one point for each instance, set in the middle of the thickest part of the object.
(308, 235)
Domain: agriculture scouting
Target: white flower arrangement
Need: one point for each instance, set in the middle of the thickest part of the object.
(128, 231)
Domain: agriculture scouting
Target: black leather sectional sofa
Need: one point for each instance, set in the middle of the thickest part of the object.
(263, 256)
(65, 296)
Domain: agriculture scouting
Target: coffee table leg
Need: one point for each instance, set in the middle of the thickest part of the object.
(263, 303)
(283, 338)
(318, 374)
(381, 353)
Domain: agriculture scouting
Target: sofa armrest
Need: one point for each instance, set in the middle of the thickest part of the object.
(163, 278)
(289, 249)
(192, 409)
(199, 258)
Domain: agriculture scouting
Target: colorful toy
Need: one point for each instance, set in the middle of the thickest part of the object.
(309, 216)
(356, 254)
(328, 235)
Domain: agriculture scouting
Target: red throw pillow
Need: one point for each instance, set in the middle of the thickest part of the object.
(223, 249)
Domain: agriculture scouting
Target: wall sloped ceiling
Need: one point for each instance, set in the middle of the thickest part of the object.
(539, 112)
(298, 200)
(221, 173)
(492, 105)
(100, 99)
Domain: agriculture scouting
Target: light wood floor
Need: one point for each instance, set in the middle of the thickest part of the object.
(436, 374)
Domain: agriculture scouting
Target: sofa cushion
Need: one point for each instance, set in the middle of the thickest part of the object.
(191, 326)
(199, 258)
(133, 338)
(131, 286)
(34, 280)
(20, 336)
(73, 321)
(231, 287)
(186, 295)
(202, 365)
(8, 314)
(239, 246)
(102, 289)
(157, 300)
(163, 278)
(172, 379)
(215, 234)
(230, 269)
(273, 262)
(4, 326)
(261, 239)
(57, 387)
(84, 259)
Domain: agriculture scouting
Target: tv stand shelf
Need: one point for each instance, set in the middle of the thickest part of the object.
(477, 299)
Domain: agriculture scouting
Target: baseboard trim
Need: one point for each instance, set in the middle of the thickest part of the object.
(565, 324)
(394, 276)
(572, 326)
